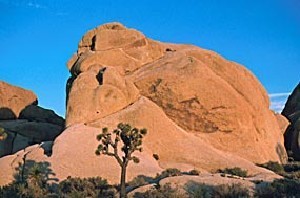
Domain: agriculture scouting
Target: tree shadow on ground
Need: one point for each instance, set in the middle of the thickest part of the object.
(32, 170)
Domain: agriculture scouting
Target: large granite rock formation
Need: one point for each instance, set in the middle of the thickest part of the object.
(215, 99)
(201, 111)
(292, 135)
(24, 122)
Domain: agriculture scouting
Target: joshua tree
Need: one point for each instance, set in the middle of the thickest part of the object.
(131, 139)
(3, 135)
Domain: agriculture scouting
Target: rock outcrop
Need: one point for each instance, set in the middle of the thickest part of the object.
(292, 135)
(215, 99)
(13, 100)
(201, 111)
(24, 122)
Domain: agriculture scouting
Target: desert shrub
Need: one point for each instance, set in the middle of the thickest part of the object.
(279, 188)
(193, 172)
(292, 167)
(24, 190)
(273, 166)
(11, 190)
(170, 172)
(138, 181)
(234, 171)
(195, 190)
(162, 191)
(230, 191)
(86, 187)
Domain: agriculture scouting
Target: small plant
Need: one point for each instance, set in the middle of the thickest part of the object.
(194, 172)
(195, 190)
(162, 191)
(230, 191)
(273, 166)
(234, 171)
(279, 188)
(131, 139)
(170, 172)
(86, 187)
(3, 134)
(139, 180)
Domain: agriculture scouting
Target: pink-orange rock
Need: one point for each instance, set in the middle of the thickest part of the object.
(97, 94)
(283, 122)
(118, 50)
(73, 153)
(13, 100)
(217, 100)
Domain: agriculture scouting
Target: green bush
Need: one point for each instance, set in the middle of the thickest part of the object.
(279, 188)
(86, 187)
(3, 134)
(193, 172)
(234, 171)
(71, 187)
(163, 191)
(138, 181)
(170, 172)
(230, 191)
(196, 190)
(273, 166)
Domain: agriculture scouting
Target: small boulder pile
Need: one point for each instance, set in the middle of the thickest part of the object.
(24, 122)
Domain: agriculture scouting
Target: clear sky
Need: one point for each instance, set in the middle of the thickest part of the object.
(37, 37)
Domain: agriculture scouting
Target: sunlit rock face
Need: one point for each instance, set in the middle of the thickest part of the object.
(215, 99)
(292, 135)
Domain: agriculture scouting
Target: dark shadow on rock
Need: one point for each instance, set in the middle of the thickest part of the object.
(7, 114)
(32, 170)
(34, 113)
(47, 147)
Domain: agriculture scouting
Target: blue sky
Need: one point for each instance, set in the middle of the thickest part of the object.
(37, 37)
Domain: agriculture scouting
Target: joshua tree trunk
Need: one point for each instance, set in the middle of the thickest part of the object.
(122, 182)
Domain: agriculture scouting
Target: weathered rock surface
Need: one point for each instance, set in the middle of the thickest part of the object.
(24, 122)
(292, 135)
(215, 99)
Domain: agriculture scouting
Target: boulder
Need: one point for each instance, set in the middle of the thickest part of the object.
(22, 133)
(13, 100)
(107, 51)
(215, 99)
(292, 135)
(35, 113)
(97, 94)
(24, 122)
